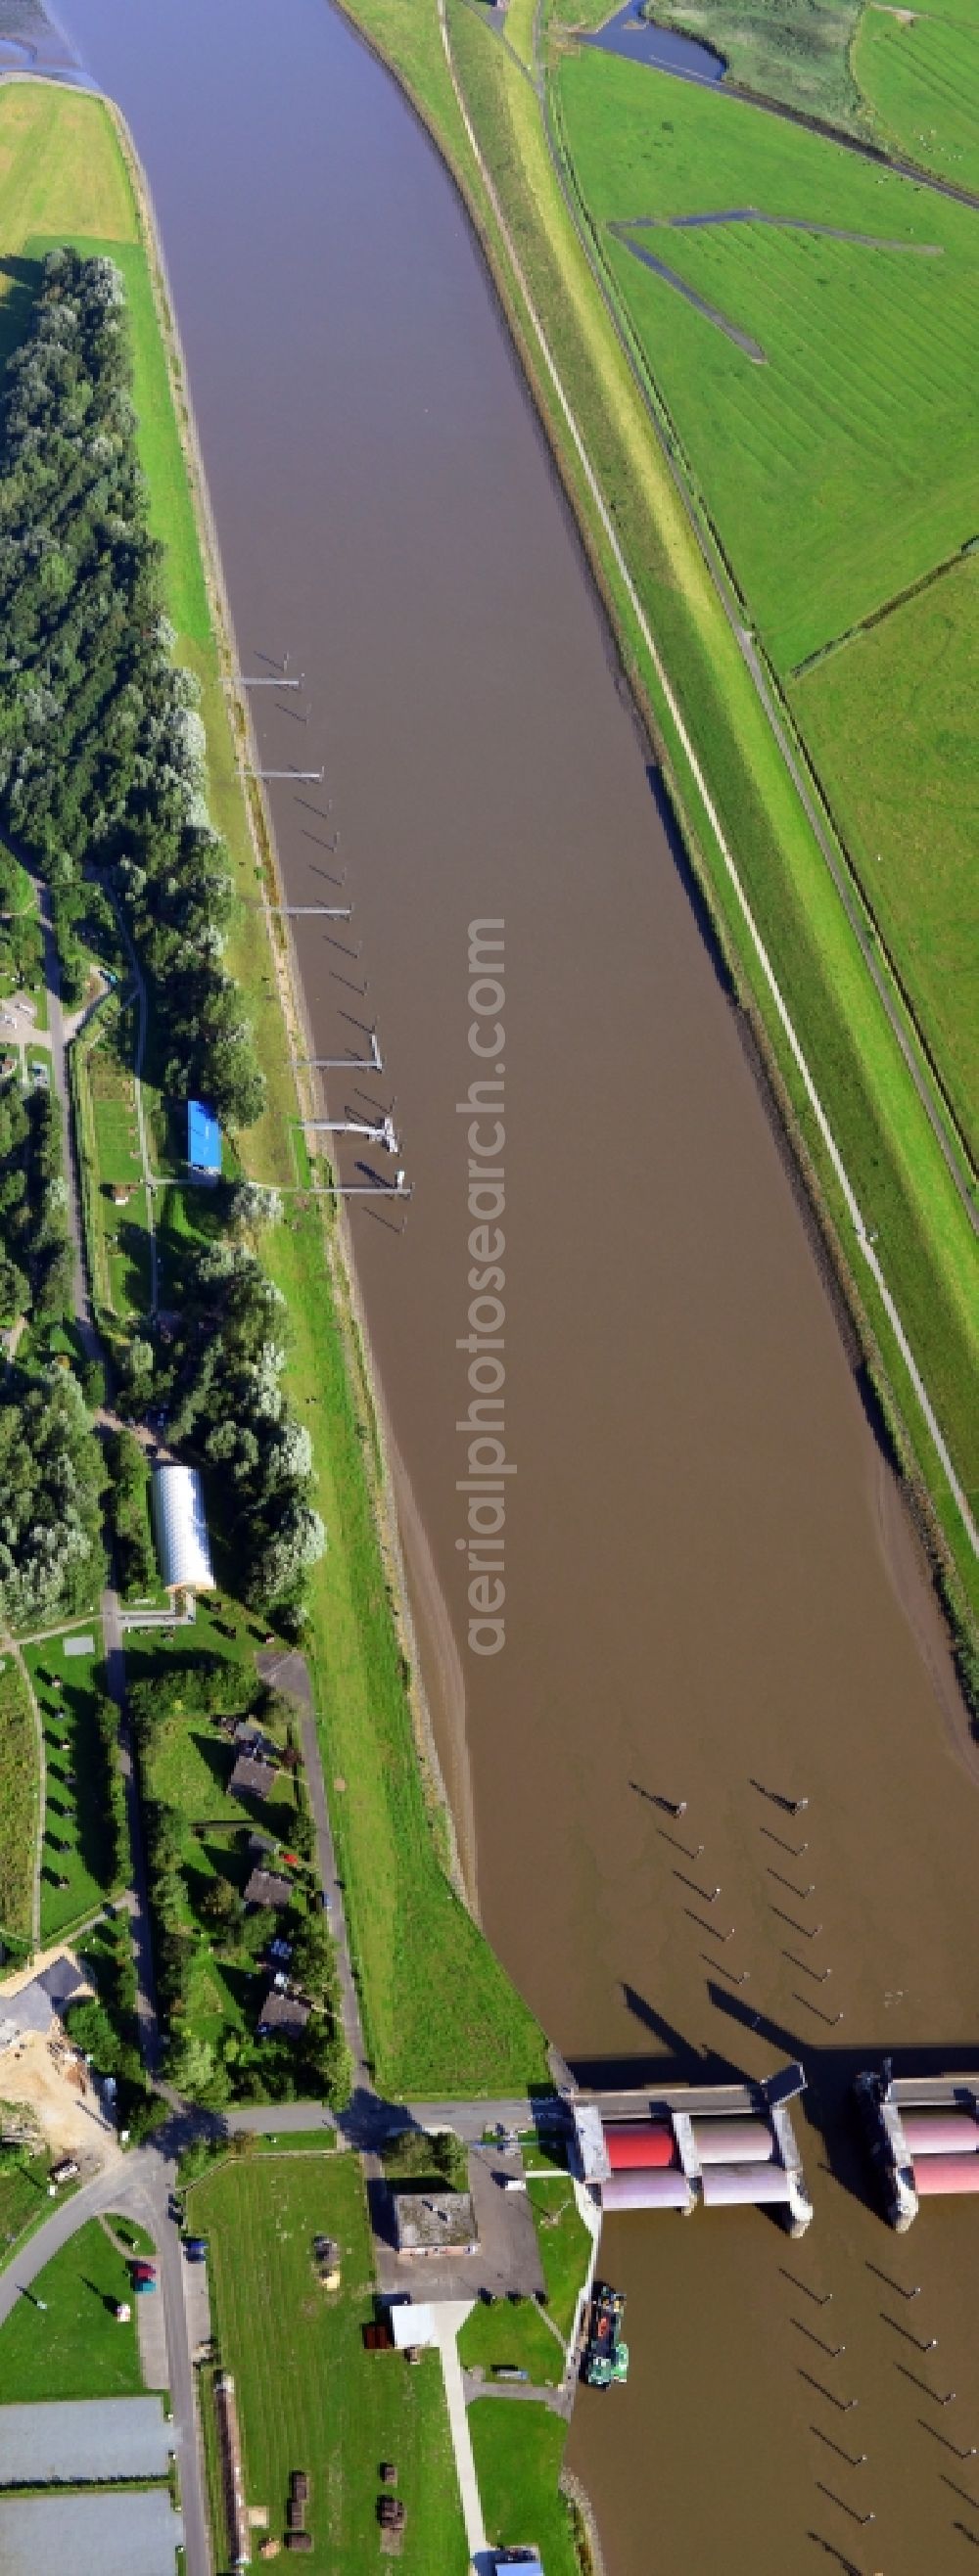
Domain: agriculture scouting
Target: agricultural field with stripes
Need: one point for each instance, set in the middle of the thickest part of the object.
(899, 704)
(811, 324)
(829, 399)
(918, 74)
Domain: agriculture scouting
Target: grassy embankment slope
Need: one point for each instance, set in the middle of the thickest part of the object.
(440, 2013)
(918, 75)
(715, 738)
(820, 467)
(309, 2395)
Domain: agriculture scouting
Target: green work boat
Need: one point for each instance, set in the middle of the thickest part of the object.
(606, 2356)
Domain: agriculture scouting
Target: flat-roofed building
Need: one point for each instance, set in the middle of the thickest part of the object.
(203, 1141)
(435, 2222)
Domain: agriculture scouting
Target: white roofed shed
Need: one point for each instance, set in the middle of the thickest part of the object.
(180, 1527)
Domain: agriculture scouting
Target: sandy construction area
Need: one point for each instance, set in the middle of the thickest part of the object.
(48, 2077)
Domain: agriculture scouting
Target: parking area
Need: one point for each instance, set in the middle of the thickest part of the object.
(507, 2259)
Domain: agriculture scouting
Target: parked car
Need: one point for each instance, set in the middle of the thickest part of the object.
(195, 2248)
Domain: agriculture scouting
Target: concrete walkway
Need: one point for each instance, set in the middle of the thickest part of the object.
(450, 2316)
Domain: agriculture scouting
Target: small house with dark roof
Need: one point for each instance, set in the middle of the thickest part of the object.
(260, 1847)
(252, 1777)
(265, 1887)
(282, 2016)
(250, 1739)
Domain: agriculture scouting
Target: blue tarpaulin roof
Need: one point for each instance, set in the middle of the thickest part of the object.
(203, 1138)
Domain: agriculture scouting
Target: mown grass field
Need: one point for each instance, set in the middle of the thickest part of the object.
(518, 2452)
(921, 83)
(19, 1796)
(74, 2345)
(309, 2395)
(891, 724)
(77, 1842)
(843, 468)
(23, 2201)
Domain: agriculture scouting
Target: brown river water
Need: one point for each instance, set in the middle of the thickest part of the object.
(710, 1583)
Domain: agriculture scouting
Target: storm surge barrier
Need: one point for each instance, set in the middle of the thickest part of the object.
(716, 2146)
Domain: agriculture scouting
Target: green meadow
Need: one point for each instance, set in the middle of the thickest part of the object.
(919, 77)
(890, 721)
(835, 457)
(842, 468)
(310, 2395)
(796, 50)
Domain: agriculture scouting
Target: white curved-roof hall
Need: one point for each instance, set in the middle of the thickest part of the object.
(180, 1523)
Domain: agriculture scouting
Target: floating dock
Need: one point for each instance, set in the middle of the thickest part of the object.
(720, 2146)
(923, 2135)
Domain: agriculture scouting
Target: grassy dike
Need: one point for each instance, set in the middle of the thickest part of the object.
(748, 837)
(440, 2014)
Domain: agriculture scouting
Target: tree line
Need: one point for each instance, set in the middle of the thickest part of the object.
(35, 1246)
(50, 1481)
(102, 763)
(217, 1379)
(102, 748)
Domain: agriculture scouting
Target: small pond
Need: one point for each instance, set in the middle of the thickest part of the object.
(628, 33)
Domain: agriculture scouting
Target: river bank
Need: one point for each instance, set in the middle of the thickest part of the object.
(393, 1826)
(832, 1059)
(700, 1587)
(357, 1397)
(310, 1098)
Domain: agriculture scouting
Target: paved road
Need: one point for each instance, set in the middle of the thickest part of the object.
(369, 2117)
(146, 2014)
(327, 1865)
(141, 2183)
(139, 2186)
(59, 1072)
(141, 1009)
(111, 1624)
